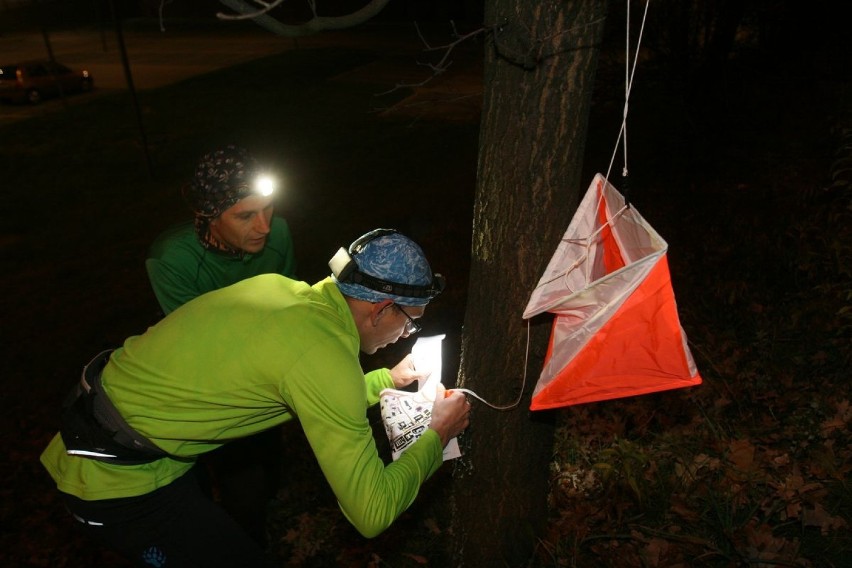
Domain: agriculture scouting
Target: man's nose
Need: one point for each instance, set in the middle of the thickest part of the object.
(261, 224)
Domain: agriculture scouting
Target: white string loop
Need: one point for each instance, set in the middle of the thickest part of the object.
(523, 382)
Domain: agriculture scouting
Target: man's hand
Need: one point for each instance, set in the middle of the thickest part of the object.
(404, 373)
(450, 414)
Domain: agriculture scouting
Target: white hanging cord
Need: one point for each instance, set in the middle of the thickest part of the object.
(523, 382)
(629, 74)
(622, 133)
(626, 86)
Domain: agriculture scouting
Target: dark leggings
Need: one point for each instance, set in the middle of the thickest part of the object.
(174, 526)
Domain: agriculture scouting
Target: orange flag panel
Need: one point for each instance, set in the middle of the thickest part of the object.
(638, 351)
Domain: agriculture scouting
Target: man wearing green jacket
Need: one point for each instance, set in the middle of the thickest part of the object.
(235, 362)
(233, 235)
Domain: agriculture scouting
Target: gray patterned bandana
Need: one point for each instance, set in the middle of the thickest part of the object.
(221, 178)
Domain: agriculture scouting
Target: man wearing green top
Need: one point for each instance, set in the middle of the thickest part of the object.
(235, 362)
(233, 236)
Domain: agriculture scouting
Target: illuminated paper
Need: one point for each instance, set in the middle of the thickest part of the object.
(406, 415)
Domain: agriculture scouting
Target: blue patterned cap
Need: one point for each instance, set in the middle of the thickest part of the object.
(387, 259)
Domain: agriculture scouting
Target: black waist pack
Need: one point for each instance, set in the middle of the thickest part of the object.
(92, 427)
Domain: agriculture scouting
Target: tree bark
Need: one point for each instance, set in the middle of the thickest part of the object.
(539, 73)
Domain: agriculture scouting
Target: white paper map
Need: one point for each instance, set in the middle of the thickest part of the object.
(406, 415)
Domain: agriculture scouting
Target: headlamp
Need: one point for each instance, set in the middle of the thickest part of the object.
(264, 185)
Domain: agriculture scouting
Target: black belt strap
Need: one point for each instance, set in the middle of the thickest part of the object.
(92, 426)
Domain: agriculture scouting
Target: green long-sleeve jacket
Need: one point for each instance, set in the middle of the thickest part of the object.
(240, 360)
(180, 269)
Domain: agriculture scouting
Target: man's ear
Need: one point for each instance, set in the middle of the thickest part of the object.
(378, 310)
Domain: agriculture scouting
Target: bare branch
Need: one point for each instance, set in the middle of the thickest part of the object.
(160, 13)
(244, 11)
(441, 66)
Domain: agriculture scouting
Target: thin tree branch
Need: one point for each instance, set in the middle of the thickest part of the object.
(442, 65)
(245, 11)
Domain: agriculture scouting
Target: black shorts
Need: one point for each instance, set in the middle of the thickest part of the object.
(173, 526)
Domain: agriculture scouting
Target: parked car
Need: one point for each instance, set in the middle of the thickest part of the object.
(31, 81)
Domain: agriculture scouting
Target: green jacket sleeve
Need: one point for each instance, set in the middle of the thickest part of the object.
(328, 395)
(377, 381)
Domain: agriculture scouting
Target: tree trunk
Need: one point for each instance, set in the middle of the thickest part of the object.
(539, 74)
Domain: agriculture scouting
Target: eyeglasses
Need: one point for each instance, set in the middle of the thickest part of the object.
(411, 326)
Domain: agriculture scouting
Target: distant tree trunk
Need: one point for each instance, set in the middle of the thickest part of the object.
(539, 74)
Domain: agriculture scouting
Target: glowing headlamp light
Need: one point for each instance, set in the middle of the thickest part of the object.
(264, 185)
